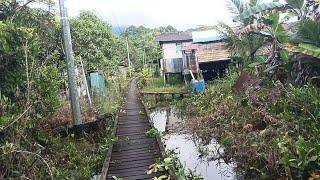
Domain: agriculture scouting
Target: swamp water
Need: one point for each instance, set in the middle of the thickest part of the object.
(193, 155)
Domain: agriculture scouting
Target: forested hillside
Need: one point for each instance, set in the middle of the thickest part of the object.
(142, 42)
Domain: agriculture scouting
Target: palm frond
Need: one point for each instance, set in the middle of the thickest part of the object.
(296, 4)
(253, 3)
(232, 37)
(309, 32)
(236, 7)
(241, 47)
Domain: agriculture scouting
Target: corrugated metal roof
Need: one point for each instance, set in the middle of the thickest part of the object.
(206, 36)
(174, 37)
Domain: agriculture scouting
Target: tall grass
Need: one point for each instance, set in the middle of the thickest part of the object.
(110, 102)
(157, 84)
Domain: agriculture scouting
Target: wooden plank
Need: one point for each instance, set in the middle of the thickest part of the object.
(164, 92)
(134, 152)
(132, 164)
(136, 177)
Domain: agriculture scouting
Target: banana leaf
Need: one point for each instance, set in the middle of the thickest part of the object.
(262, 9)
(307, 49)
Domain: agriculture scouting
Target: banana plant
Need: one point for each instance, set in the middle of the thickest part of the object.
(307, 49)
(268, 25)
(263, 9)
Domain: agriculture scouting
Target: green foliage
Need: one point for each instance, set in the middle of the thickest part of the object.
(296, 4)
(119, 52)
(81, 159)
(152, 133)
(156, 84)
(298, 157)
(236, 6)
(92, 41)
(285, 125)
(261, 9)
(242, 48)
(172, 163)
(113, 98)
(12, 71)
(262, 28)
(309, 32)
(142, 44)
(117, 178)
(47, 89)
(32, 81)
(308, 49)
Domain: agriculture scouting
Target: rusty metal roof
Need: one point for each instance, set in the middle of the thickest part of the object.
(174, 37)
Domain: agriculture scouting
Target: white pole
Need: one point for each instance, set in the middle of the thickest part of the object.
(129, 62)
(144, 56)
(85, 82)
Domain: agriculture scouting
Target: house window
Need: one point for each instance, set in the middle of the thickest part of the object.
(178, 47)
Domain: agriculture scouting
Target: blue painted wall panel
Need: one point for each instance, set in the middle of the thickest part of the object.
(96, 82)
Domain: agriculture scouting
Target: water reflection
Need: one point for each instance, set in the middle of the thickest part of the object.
(191, 153)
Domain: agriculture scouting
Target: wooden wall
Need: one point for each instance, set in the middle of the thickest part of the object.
(215, 51)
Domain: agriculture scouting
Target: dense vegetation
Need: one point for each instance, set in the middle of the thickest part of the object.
(265, 112)
(268, 122)
(143, 47)
(33, 86)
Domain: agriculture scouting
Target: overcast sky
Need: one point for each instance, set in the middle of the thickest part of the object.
(181, 14)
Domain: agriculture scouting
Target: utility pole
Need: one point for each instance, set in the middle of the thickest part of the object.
(129, 62)
(75, 104)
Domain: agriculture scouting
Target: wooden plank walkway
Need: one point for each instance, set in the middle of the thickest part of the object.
(134, 152)
(165, 92)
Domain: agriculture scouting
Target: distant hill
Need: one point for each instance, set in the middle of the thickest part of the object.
(200, 28)
(118, 30)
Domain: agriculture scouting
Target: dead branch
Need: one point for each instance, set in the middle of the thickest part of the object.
(19, 117)
(19, 8)
(266, 115)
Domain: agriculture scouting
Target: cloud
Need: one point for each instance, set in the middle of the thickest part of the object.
(181, 14)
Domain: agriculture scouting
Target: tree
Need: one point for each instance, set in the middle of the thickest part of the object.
(93, 40)
(30, 86)
(142, 42)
